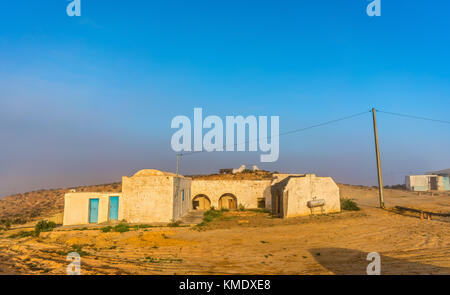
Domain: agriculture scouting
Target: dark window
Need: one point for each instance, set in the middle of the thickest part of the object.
(261, 203)
(195, 204)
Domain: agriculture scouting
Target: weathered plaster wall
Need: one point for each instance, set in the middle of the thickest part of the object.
(296, 191)
(442, 183)
(76, 207)
(148, 199)
(446, 181)
(276, 178)
(180, 206)
(247, 192)
(418, 183)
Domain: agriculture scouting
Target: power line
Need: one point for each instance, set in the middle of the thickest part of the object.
(414, 117)
(327, 123)
(323, 124)
(292, 131)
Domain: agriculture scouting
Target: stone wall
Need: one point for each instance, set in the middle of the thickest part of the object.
(181, 197)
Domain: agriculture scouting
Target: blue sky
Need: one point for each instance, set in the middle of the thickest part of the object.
(87, 99)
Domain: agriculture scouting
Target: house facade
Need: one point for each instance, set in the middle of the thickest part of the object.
(152, 196)
(423, 183)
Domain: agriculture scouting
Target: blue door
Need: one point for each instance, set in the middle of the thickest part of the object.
(93, 210)
(113, 208)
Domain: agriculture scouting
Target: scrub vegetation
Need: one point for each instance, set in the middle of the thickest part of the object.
(120, 228)
(349, 205)
(210, 215)
(43, 226)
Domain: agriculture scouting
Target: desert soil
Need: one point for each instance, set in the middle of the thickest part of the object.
(254, 243)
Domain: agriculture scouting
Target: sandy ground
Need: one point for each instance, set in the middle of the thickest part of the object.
(254, 243)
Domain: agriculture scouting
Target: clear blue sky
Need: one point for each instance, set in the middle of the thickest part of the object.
(85, 100)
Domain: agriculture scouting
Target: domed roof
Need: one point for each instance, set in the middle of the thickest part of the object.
(153, 172)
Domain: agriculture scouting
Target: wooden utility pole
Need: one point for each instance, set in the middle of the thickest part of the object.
(377, 149)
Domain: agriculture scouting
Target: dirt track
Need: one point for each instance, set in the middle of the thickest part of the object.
(255, 243)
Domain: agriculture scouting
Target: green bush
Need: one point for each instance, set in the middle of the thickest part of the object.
(121, 227)
(44, 226)
(241, 207)
(210, 215)
(106, 229)
(349, 205)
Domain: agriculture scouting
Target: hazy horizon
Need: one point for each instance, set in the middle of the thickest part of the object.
(86, 100)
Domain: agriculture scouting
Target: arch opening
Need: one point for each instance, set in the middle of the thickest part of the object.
(201, 202)
(228, 201)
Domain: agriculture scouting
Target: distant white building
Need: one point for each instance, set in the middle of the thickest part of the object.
(238, 170)
(429, 182)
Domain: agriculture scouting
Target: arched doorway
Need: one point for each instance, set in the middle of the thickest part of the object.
(201, 202)
(228, 201)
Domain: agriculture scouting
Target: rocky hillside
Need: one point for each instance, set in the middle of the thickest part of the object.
(21, 208)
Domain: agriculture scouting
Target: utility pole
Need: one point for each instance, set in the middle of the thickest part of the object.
(377, 149)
